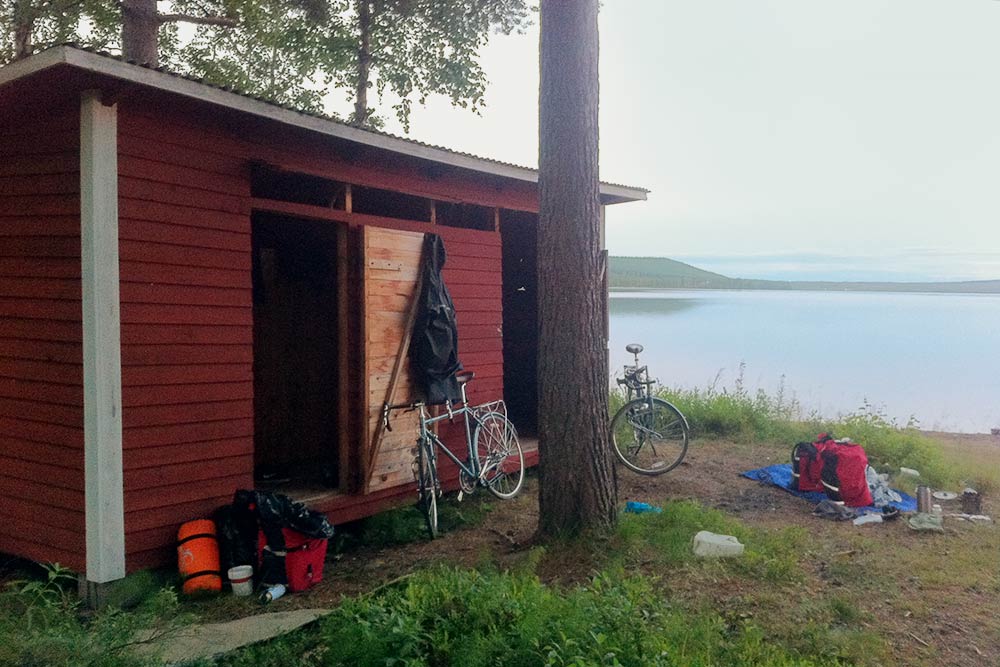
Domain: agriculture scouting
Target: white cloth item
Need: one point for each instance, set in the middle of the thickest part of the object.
(882, 493)
(868, 518)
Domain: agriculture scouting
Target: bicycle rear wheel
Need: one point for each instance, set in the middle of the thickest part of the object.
(500, 456)
(427, 491)
(649, 436)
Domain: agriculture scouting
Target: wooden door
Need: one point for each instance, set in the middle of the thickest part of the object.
(391, 268)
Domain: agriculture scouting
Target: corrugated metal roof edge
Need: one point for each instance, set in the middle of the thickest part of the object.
(163, 79)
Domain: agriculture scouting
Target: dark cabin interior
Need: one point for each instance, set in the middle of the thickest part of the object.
(518, 231)
(296, 341)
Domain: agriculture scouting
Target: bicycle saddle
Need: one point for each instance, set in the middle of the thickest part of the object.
(633, 348)
(466, 377)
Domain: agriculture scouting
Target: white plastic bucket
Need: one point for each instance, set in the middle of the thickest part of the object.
(241, 578)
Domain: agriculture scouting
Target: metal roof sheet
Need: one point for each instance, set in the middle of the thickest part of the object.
(164, 79)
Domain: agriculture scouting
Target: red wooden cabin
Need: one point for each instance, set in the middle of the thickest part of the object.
(196, 284)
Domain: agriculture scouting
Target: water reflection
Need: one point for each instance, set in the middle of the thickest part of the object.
(928, 355)
(639, 305)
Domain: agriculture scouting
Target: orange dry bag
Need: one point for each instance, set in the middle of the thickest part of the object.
(198, 557)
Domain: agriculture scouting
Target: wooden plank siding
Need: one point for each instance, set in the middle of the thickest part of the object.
(41, 354)
(186, 292)
(187, 333)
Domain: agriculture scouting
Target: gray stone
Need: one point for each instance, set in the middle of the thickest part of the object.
(197, 642)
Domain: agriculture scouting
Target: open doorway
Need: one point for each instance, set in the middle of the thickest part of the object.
(297, 312)
(519, 234)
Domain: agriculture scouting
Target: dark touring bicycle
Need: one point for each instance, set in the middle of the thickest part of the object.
(648, 434)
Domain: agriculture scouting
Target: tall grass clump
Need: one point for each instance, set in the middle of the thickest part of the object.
(890, 445)
(733, 411)
(42, 623)
(466, 618)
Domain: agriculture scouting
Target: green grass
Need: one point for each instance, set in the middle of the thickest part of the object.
(625, 614)
(666, 538)
(406, 524)
(42, 624)
(469, 618)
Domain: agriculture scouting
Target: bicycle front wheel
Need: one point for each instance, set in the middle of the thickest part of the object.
(501, 461)
(427, 487)
(649, 436)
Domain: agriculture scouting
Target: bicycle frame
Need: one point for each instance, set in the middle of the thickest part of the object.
(470, 418)
(427, 435)
(638, 386)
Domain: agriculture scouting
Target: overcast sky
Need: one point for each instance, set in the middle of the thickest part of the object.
(857, 139)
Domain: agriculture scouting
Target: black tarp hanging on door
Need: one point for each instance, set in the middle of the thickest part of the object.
(434, 343)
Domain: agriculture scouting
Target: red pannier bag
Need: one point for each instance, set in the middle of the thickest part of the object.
(807, 464)
(304, 558)
(843, 474)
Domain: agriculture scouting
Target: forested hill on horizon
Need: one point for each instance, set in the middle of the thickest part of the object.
(663, 273)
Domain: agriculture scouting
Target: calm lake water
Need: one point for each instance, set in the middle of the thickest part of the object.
(935, 357)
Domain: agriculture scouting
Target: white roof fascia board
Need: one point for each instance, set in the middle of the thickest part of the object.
(118, 69)
(36, 63)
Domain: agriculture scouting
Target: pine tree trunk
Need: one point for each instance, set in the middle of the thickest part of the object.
(140, 31)
(577, 488)
(364, 63)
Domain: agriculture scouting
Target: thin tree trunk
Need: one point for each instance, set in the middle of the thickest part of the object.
(140, 31)
(364, 62)
(24, 25)
(577, 489)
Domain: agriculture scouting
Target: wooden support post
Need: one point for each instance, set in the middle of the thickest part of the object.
(433, 206)
(348, 198)
(104, 511)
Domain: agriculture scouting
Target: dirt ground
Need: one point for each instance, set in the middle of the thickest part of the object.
(935, 599)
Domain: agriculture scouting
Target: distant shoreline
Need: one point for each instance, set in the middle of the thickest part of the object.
(656, 273)
(855, 290)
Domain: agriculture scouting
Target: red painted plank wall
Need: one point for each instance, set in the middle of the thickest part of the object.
(473, 275)
(41, 353)
(187, 346)
(186, 292)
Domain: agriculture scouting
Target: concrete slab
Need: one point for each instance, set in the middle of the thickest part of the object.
(196, 642)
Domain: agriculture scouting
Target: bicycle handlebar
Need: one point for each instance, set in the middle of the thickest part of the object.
(407, 407)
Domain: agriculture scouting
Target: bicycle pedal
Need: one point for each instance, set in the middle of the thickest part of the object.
(461, 494)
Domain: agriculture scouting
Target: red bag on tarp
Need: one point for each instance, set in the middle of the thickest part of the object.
(304, 558)
(843, 473)
(807, 464)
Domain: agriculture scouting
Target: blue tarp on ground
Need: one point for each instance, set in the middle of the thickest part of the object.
(780, 475)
